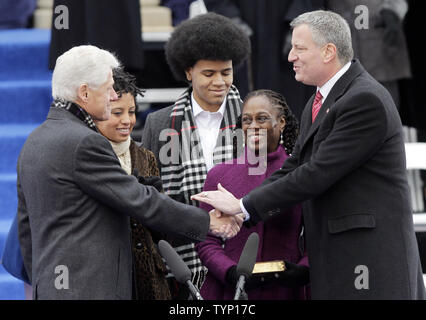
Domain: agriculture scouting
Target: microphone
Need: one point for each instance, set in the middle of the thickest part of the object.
(179, 269)
(246, 264)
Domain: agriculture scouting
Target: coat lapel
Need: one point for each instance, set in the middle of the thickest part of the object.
(336, 92)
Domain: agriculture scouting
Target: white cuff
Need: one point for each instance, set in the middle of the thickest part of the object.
(243, 210)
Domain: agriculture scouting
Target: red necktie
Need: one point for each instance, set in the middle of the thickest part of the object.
(317, 105)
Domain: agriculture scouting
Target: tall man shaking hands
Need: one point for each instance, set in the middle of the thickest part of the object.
(348, 169)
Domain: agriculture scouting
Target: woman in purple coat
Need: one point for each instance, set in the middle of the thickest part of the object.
(270, 131)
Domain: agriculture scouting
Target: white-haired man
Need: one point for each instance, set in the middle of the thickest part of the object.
(74, 199)
(348, 169)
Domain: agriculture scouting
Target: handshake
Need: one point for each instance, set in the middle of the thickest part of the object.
(223, 225)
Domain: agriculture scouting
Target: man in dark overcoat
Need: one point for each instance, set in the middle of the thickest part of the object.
(348, 169)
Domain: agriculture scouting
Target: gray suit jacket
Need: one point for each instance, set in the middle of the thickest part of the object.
(155, 122)
(349, 169)
(74, 203)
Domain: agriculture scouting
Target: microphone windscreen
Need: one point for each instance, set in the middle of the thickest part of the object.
(248, 256)
(179, 269)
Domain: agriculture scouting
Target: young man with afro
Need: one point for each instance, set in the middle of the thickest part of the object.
(191, 136)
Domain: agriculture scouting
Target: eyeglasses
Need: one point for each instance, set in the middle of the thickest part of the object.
(259, 120)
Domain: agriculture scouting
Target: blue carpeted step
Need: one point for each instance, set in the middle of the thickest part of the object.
(12, 138)
(25, 101)
(24, 54)
(9, 198)
(25, 97)
(10, 287)
(4, 230)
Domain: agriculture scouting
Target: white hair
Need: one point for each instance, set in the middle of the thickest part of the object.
(81, 65)
(328, 27)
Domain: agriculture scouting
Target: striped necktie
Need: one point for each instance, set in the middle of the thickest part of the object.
(317, 105)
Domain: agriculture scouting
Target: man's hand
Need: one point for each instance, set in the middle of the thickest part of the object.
(221, 199)
(223, 225)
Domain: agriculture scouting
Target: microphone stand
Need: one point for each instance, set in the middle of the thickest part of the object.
(193, 290)
(240, 293)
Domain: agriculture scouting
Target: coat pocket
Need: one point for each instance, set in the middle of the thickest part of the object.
(352, 221)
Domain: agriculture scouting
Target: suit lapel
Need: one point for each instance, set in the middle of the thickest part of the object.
(336, 92)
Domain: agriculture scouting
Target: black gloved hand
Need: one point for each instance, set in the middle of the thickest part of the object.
(392, 25)
(294, 275)
(149, 181)
(231, 275)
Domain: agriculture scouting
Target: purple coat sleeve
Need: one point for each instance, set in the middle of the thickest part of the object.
(210, 251)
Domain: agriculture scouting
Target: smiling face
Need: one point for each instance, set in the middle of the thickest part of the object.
(123, 118)
(261, 124)
(307, 57)
(211, 81)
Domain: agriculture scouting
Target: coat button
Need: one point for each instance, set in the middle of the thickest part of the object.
(139, 245)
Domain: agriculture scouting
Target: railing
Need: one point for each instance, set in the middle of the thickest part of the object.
(416, 160)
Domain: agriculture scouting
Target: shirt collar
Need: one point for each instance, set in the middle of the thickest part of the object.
(326, 88)
(196, 108)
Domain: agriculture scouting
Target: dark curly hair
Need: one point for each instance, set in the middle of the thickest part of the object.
(291, 128)
(208, 36)
(124, 82)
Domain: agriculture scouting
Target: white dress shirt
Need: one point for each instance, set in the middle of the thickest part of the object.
(208, 125)
(324, 90)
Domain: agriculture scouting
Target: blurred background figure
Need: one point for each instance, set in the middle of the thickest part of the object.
(378, 43)
(15, 14)
(108, 24)
(180, 9)
(413, 106)
(268, 124)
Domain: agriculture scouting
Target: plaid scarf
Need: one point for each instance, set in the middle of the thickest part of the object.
(76, 110)
(186, 178)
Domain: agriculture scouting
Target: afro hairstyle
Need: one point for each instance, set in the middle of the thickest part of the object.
(208, 36)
